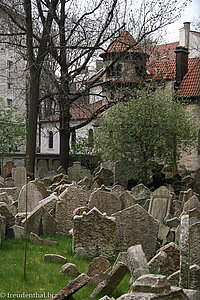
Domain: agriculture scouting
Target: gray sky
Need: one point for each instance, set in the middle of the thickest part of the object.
(191, 11)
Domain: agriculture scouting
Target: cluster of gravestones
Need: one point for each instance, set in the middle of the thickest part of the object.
(102, 218)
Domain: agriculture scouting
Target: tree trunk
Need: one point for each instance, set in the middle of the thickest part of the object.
(64, 149)
(32, 122)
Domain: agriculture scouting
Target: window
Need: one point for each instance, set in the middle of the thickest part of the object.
(50, 139)
(90, 138)
(115, 71)
(9, 73)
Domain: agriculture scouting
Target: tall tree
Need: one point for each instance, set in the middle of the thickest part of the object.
(72, 33)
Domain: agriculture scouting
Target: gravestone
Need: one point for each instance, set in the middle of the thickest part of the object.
(31, 194)
(78, 172)
(19, 176)
(98, 270)
(127, 200)
(194, 238)
(12, 191)
(105, 202)
(184, 252)
(4, 198)
(95, 233)
(71, 198)
(141, 193)
(2, 226)
(40, 222)
(172, 262)
(49, 203)
(7, 169)
(104, 176)
(9, 182)
(117, 190)
(160, 203)
(135, 226)
(192, 203)
(41, 187)
(42, 168)
(5, 212)
(137, 262)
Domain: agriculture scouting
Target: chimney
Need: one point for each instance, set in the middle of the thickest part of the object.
(181, 63)
(187, 34)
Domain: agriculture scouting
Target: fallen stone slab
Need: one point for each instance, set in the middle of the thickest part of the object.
(107, 286)
(34, 238)
(69, 268)
(55, 258)
(72, 287)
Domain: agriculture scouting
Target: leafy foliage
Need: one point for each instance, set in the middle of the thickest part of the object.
(12, 128)
(145, 128)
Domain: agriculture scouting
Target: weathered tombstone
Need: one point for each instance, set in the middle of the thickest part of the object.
(2, 226)
(192, 203)
(40, 222)
(12, 191)
(72, 287)
(160, 203)
(157, 261)
(54, 258)
(5, 212)
(141, 193)
(4, 198)
(69, 268)
(172, 261)
(78, 172)
(184, 196)
(49, 203)
(19, 177)
(184, 252)
(105, 202)
(194, 238)
(98, 270)
(194, 213)
(114, 277)
(71, 198)
(117, 190)
(127, 200)
(95, 232)
(42, 168)
(41, 187)
(9, 182)
(137, 262)
(7, 169)
(31, 194)
(104, 176)
(135, 226)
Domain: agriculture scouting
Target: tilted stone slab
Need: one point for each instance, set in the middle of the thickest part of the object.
(40, 222)
(11, 191)
(2, 226)
(72, 287)
(19, 177)
(31, 194)
(141, 193)
(127, 200)
(107, 286)
(160, 203)
(95, 233)
(71, 198)
(194, 240)
(54, 258)
(192, 203)
(134, 226)
(5, 212)
(105, 202)
(34, 238)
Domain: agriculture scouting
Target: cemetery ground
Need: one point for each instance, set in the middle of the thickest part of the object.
(43, 278)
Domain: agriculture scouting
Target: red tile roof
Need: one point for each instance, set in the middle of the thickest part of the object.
(77, 112)
(124, 42)
(163, 52)
(190, 85)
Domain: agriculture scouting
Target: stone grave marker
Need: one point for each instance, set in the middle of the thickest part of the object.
(19, 177)
(105, 202)
(160, 203)
(94, 232)
(30, 193)
(70, 199)
(135, 226)
(194, 239)
(141, 193)
(184, 252)
(7, 169)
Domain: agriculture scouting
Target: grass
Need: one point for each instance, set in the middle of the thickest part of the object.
(42, 279)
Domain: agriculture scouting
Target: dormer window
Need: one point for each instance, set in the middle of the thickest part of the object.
(114, 71)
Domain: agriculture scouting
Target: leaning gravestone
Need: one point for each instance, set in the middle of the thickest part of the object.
(192, 203)
(184, 252)
(95, 233)
(31, 194)
(141, 193)
(135, 226)
(40, 222)
(78, 172)
(2, 226)
(127, 200)
(5, 212)
(7, 169)
(105, 202)
(71, 198)
(194, 237)
(19, 177)
(160, 203)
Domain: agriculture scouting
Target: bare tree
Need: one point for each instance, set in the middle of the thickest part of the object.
(71, 33)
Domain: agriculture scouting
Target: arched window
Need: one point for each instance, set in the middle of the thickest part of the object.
(50, 139)
(91, 138)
